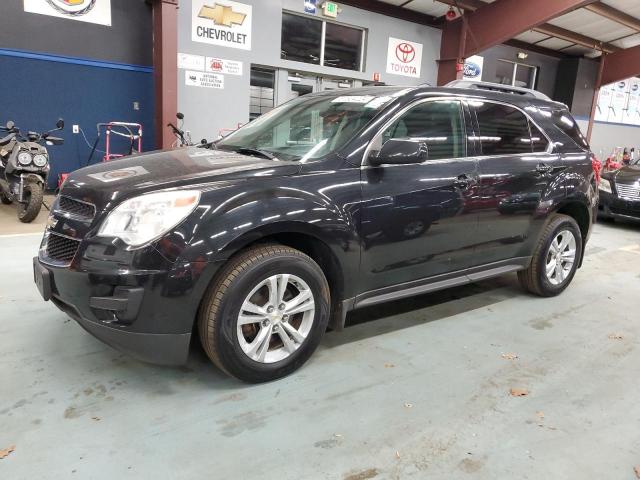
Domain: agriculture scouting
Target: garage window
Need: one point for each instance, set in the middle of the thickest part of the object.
(318, 42)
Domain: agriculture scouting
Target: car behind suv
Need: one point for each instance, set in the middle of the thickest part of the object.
(329, 203)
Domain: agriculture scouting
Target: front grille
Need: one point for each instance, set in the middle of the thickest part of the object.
(76, 208)
(61, 248)
(628, 192)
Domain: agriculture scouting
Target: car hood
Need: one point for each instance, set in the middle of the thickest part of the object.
(627, 174)
(137, 174)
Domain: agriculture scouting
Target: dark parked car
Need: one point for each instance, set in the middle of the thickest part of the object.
(266, 238)
(620, 193)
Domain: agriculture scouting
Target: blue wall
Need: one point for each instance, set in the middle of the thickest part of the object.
(38, 89)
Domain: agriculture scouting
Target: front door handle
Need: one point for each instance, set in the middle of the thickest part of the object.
(544, 168)
(463, 181)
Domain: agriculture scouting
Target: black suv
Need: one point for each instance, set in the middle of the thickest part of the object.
(331, 202)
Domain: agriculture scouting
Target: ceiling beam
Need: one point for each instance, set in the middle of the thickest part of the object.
(615, 15)
(576, 38)
(545, 28)
(621, 65)
(392, 11)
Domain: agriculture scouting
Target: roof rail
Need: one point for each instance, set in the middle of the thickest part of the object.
(497, 87)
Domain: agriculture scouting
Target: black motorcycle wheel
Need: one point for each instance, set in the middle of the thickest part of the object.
(4, 199)
(30, 208)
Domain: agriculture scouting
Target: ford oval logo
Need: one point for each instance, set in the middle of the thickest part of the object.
(471, 69)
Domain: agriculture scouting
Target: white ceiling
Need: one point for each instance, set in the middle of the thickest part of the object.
(580, 21)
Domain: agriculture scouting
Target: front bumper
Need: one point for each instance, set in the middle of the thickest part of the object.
(612, 206)
(146, 314)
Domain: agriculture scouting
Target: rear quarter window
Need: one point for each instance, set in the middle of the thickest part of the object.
(565, 122)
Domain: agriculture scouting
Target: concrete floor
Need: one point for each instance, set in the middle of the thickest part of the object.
(414, 389)
(10, 225)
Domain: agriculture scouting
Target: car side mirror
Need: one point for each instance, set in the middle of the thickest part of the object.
(60, 124)
(397, 151)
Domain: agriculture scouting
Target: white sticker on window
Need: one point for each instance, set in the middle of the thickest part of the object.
(353, 99)
(378, 102)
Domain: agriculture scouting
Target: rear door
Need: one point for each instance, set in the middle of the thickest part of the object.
(519, 172)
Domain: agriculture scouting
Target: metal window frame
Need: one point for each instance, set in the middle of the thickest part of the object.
(363, 38)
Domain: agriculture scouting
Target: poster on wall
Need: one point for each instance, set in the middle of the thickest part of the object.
(219, 65)
(473, 67)
(224, 23)
(632, 115)
(618, 101)
(203, 79)
(404, 57)
(604, 102)
(92, 11)
(191, 62)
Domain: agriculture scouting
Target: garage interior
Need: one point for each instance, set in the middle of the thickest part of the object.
(476, 381)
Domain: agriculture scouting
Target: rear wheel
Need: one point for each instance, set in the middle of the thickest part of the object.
(32, 196)
(5, 200)
(556, 258)
(265, 313)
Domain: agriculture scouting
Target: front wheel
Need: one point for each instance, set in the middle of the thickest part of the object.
(32, 196)
(556, 258)
(265, 313)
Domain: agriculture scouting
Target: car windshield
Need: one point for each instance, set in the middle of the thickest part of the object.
(308, 127)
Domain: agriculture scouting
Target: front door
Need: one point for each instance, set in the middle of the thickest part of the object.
(414, 223)
(519, 175)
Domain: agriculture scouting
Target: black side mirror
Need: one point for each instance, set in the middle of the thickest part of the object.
(10, 124)
(400, 150)
(60, 124)
(180, 116)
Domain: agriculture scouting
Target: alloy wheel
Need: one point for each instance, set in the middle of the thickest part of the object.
(561, 257)
(275, 318)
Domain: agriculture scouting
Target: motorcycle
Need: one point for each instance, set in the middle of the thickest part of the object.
(24, 168)
(183, 138)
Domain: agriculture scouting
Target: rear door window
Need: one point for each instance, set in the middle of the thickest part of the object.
(504, 130)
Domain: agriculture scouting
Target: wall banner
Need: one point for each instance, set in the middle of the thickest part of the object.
(404, 57)
(221, 22)
(92, 11)
(203, 79)
(218, 65)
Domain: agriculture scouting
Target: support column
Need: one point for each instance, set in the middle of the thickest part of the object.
(452, 47)
(165, 68)
(596, 92)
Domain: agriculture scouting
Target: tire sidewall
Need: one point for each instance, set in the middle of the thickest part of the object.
(228, 346)
(27, 212)
(561, 224)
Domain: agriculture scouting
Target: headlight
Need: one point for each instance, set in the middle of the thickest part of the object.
(605, 185)
(24, 158)
(142, 219)
(40, 160)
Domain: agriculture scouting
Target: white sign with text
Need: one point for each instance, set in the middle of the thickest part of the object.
(203, 79)
(219, 65)
(223, 23)
(91, 11)
(404, 57)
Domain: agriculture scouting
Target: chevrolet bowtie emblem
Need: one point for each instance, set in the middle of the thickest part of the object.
(221, 15)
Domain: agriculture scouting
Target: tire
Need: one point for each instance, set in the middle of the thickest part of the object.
(225, 342)
(4, 199)
(29, 210)
(535, 278)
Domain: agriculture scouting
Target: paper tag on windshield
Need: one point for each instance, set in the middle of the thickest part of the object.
(377, 102)
(353, 99)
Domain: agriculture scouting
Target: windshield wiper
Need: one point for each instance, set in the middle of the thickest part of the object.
(256, 151)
